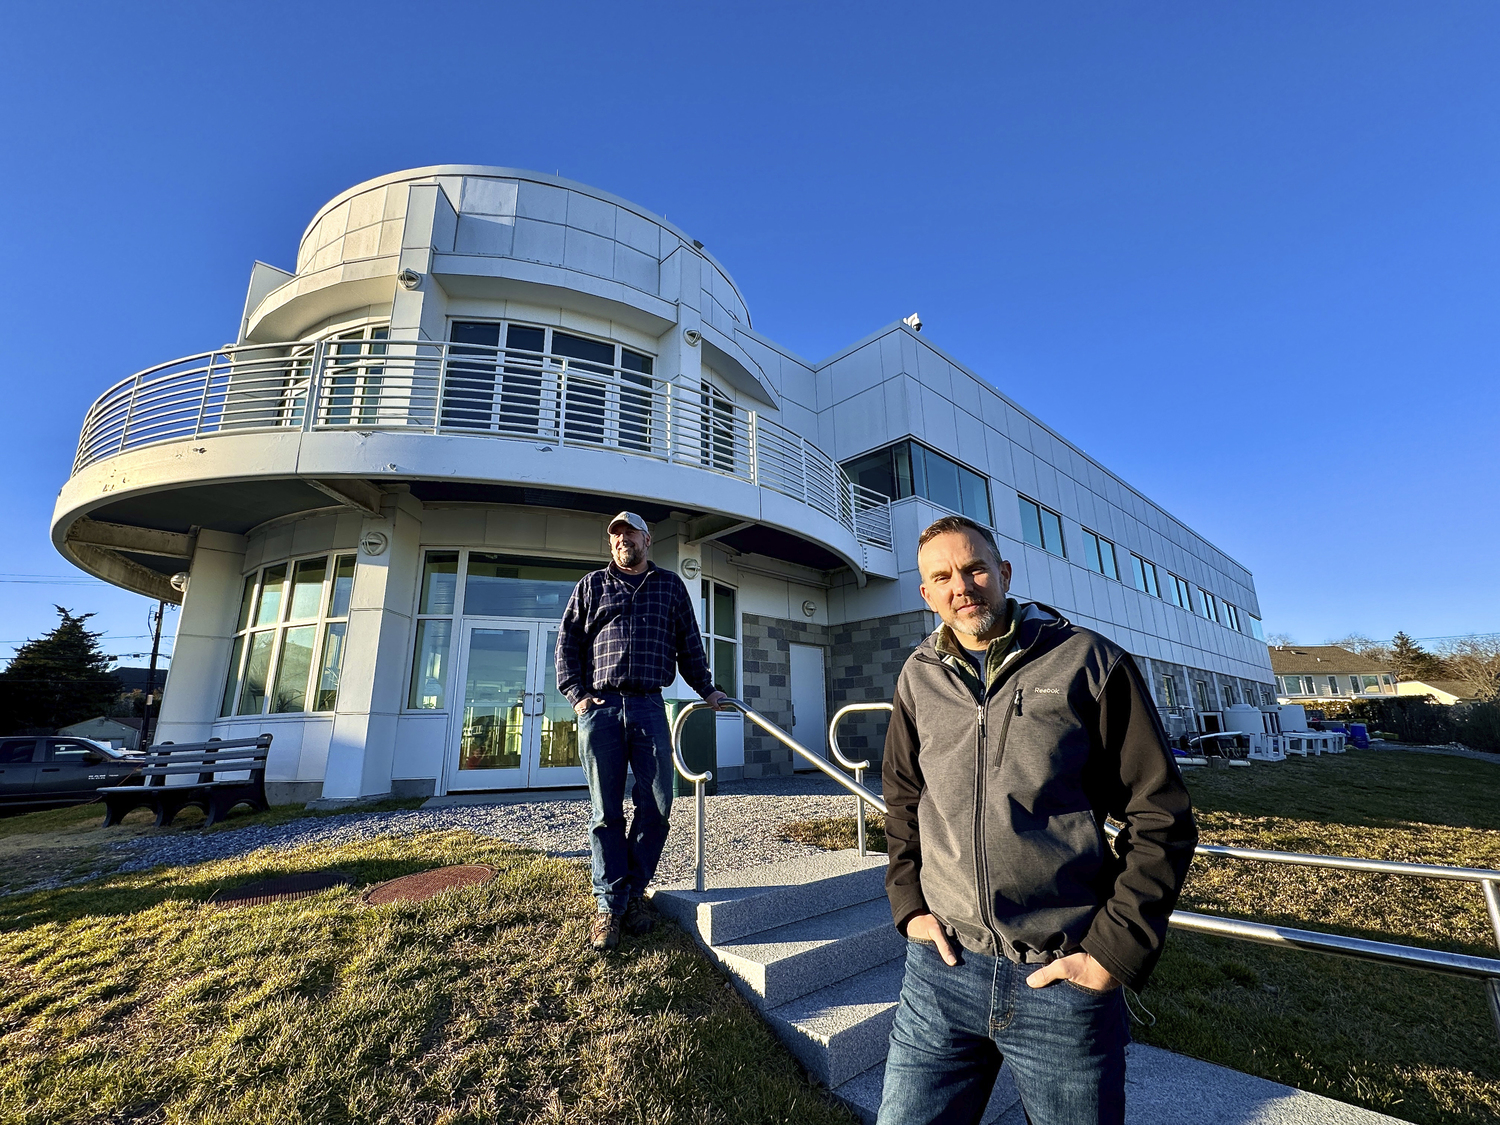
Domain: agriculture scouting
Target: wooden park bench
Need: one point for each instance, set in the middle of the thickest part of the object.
(214, 793)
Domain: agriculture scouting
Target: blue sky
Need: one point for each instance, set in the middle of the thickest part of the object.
(1244, 255)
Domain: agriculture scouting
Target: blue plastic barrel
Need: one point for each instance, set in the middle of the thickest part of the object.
(1359, 735)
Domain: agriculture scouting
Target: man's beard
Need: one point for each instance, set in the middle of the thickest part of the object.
(627, 556)
(974, 625)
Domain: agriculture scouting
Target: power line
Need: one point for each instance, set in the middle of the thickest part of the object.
(51, 580)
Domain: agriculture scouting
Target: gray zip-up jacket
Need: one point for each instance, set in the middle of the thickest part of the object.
(998, 793)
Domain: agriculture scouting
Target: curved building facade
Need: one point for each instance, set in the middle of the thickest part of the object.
(373, 505)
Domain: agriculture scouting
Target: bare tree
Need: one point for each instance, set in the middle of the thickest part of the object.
(1279, 640)
(1364, 646)
(1476, 662)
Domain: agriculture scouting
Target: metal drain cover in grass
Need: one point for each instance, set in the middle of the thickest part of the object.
(424, 884)
(281, 888)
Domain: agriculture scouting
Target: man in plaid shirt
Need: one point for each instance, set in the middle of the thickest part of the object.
(627, 630)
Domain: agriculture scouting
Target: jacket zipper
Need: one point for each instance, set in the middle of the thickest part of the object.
(981, 861)
(982, 858)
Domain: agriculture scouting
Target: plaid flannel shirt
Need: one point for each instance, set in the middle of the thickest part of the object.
(615, 637)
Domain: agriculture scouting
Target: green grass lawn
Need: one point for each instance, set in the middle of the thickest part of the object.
(1415, 1045)
(131, 999)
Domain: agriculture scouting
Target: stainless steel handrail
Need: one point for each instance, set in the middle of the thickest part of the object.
(1433, 960)
(858, 767)
(1486, 969)
(700, 780)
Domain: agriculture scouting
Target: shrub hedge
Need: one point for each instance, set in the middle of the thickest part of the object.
(1418, 720)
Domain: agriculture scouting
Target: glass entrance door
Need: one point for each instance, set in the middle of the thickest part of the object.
(514, 730)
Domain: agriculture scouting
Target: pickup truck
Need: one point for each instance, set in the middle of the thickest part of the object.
(53, 770)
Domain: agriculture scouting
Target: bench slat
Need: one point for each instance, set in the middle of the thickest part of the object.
(164, 771)
(233, 756)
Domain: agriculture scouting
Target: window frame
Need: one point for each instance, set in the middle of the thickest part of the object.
(1144, 574)
(712, 638)
(1182, 593)
(460, 611)
(908, 477)
(248, 628)
(1209, 609)
(1094, 546)
(1042, 511)
(585, 415)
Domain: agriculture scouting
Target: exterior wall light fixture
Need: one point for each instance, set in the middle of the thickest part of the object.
(374, 542)
(179, 581)
(409, 278)
(692, 336)
(809, 608)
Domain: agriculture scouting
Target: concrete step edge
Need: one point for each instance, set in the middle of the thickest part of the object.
(779, 971)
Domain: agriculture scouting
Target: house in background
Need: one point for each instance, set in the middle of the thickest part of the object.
(1446, 692)
(1305, 673)
(121, 733)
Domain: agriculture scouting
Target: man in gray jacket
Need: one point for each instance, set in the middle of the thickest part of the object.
(1014, 735)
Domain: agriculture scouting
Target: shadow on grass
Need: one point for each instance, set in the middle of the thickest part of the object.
(118, 895)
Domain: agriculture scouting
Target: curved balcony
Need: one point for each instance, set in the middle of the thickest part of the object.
(416, 387)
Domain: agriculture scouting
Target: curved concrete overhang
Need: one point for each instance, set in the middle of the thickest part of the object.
(309, 470)
(289, 310)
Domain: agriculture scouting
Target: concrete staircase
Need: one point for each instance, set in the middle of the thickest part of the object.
(810, 944)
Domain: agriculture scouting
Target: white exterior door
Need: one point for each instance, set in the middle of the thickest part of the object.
(809, 712)
(512, 728)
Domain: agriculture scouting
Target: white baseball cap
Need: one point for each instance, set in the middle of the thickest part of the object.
(630, 518)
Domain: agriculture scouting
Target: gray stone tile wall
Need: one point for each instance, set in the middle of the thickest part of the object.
(867, 657)
(766, 666)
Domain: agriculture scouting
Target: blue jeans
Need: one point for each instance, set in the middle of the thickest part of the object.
(629, 730)
(954, 1026)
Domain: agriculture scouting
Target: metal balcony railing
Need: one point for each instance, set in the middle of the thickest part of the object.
(474, 390)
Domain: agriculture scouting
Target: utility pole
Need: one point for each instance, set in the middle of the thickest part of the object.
(146, 730)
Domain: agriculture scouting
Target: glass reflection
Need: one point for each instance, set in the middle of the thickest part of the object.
(494, 699)
(559, 721)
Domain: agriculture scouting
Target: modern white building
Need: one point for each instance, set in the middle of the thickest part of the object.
(372, 506)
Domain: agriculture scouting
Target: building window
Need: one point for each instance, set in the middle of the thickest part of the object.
(909, 469)
(1231, 617)
(458, 584)
(1255, 628)
(1169, 689)
(1208, 606)
(1042, 527)
(1372, 683)
(1231, 695)
(1181, 593)
(289, 643)
(1145, 576)
(1201, 687)
(1099, 555)
(721, 634)
(531, 381)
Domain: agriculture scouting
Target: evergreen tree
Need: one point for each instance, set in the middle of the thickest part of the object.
(1411, 661)
(57, 679)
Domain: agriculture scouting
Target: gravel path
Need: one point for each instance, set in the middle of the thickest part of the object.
(743, 822)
